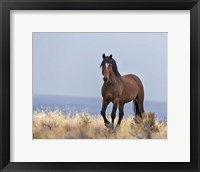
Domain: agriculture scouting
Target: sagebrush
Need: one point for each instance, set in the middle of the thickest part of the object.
(56, 125)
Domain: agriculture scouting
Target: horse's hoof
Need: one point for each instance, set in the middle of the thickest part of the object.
(107, 123)
(110, 126)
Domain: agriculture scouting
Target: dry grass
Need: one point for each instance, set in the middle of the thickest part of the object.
(56, 125)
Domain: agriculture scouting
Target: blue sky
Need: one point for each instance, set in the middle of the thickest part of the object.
(68, 63)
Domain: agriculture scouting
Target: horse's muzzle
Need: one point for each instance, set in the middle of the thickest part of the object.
(105, 79)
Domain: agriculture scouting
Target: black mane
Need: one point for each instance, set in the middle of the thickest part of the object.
(114, 64)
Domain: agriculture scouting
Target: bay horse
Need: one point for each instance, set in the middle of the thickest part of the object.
(119, 90)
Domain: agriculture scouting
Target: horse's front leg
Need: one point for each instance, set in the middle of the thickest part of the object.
(113, 113)
(103, 112)
(121, 114)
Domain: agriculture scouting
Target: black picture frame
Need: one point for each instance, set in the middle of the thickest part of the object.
(7, 5)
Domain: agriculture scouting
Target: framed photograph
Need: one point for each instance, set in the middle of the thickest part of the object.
(97, 85)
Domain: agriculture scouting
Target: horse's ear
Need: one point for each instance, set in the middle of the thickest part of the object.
(103, 56)
(111, 56)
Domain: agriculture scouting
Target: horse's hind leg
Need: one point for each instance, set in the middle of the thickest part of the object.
(139, 108)
(103, 112)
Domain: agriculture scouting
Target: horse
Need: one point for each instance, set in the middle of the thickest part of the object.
(119, 90)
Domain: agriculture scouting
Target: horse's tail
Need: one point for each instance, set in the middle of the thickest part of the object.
(136, 109)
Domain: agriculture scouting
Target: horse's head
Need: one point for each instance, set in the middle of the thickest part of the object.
(106, 67)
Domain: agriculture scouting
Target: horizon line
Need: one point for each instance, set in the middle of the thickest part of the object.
(58, 95)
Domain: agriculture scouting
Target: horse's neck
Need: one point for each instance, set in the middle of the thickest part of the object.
(114, 78)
